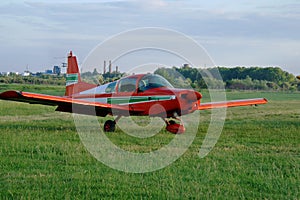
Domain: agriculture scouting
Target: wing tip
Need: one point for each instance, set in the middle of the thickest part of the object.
(233, 103)
(10, 94)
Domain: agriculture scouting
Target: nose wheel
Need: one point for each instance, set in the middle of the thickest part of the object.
(173, 127)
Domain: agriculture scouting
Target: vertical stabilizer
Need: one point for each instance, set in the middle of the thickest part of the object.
(74, 84)
(73, 75)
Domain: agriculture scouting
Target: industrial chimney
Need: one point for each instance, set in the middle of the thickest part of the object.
(109, 66)
(104, 67)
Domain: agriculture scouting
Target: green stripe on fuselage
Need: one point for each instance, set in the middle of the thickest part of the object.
(133, 99)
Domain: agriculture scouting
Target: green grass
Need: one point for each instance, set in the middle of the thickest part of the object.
(44, 89)
(256, 157)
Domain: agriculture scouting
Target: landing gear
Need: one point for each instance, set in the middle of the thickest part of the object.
(173, 127)
(110, 125)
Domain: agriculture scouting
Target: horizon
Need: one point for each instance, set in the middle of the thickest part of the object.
(100, 71)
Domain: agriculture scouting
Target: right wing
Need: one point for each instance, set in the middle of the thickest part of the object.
(233, 103)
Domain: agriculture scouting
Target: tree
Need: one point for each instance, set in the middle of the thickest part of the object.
(95, 72)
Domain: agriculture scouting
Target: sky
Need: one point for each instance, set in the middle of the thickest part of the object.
(38, 34)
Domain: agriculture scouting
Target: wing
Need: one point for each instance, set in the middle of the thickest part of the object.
(66, 104)
(233, 103)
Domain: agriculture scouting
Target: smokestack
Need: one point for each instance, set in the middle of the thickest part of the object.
(117, 69)
(109, 66)
(104, 67)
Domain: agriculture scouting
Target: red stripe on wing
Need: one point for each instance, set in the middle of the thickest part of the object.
(233, 103)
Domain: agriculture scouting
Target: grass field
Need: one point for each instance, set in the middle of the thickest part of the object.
(256, 157)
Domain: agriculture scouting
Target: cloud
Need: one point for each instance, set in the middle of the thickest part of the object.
(59, 25)
(154, 4)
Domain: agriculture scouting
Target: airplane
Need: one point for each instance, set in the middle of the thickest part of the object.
(135, 95)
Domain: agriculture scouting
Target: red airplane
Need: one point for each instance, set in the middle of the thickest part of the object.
(135, 95)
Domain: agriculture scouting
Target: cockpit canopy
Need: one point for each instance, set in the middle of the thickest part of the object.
(129, 84)
(148, 81)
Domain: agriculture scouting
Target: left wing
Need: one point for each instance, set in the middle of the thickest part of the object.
(66, 104)
(233, 103)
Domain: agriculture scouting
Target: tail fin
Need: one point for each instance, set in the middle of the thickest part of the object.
(73, 80)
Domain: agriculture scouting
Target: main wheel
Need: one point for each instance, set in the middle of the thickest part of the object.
(109, 126)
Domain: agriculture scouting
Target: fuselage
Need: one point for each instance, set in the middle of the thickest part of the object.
(144, 94)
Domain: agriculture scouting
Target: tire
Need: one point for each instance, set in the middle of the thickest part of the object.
(109, 126)
(172, 122)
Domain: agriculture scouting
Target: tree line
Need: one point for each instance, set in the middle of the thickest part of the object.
(240, 78)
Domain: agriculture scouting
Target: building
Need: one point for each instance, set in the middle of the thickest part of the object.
(48, 71)
(26, 73)
(56, 70)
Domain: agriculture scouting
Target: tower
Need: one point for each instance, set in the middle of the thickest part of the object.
(104, 67)
(109, 66)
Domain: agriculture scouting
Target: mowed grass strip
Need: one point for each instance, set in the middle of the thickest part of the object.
(257, 156)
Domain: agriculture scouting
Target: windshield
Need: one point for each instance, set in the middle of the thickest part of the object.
(151, 81)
